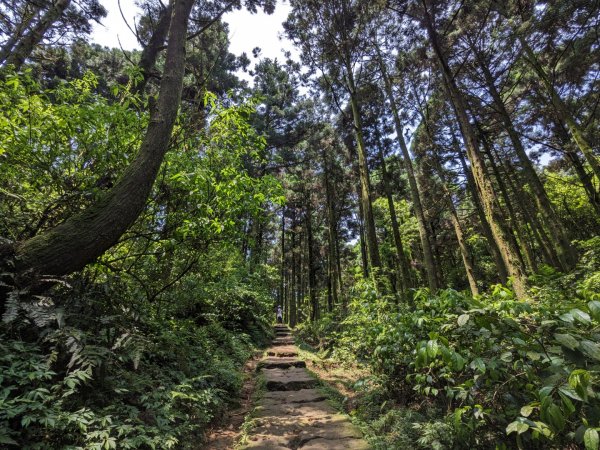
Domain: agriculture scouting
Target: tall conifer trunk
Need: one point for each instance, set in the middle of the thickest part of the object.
(415, 194)
(565, 252)
(489, 199)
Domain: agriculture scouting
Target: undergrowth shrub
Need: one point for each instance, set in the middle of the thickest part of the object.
(505, 373)
(105, 375)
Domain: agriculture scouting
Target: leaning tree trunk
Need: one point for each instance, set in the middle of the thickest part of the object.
(83, 237)
(485, 225)
(24, 47)
(562, 110)
(26, 21)
(465, 252)
(564, 250)
(488, 196)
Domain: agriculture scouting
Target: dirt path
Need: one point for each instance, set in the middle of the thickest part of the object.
(293, 414)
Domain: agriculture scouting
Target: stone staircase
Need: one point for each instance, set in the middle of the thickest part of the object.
(293, 413)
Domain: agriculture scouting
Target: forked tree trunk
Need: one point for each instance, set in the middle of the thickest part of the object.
(154, 46)
(83, 237)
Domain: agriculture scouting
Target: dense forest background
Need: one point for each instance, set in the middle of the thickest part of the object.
(420, 191)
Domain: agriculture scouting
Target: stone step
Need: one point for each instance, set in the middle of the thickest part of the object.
(280, 363)
(292, 379)
(301, 396)
(330, 432)
(283, 351)
(283, 341)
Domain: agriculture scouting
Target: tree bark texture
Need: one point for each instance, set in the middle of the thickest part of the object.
(24, 47)
(489, 199)
(85, 236)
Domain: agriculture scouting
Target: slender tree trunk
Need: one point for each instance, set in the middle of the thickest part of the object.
(561, 108)
(312, 281)
(26, 21)
(361, 218)
(412, 182)
(585, 178)
(515, 232)
(565, 252)
(292, 284)
(332, 279)
(83, 237)
(338, 264)
(525, 204)
(485, 226)
(490, 201)
(365, 183)
(467, 257)
(282, 273)
(24, 47)
(401, 261)
(154, 46)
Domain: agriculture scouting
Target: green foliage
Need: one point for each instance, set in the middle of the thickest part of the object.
(507, 371)
(144, 348)
(59, 148)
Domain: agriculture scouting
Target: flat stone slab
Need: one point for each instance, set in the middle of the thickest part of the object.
(301, 396)
(291, 379)
(283, 341)
(338, 444)
(280, 363)
(283, 351)
(299, 432)
(303, 411)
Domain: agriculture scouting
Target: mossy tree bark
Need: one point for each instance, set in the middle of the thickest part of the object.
(83, 237)
(365, 182)
(564, 250)
(510, 253)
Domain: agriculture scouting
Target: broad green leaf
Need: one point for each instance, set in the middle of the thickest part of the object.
(594, 307)
(591, 439)
(566, 340)
(432, 348)
(478, 364)
(591, 349)
(463, 319)
(580, 316)
(556, 418)
(527, 410)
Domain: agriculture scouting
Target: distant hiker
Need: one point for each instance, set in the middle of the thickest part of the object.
(279, 314)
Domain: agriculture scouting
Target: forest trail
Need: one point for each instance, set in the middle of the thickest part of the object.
(293, 413)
